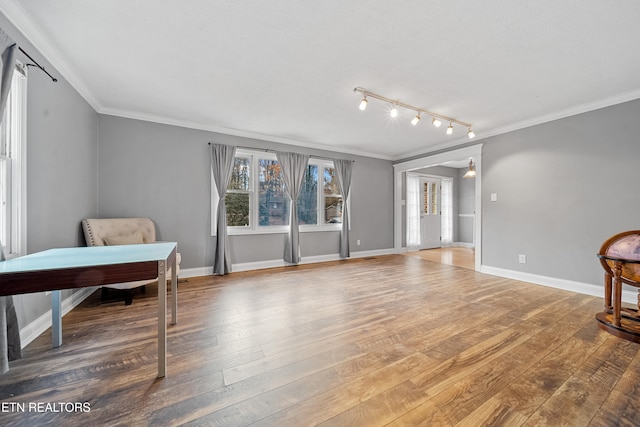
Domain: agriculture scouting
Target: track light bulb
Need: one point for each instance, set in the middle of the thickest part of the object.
(436, 122)
(363, 103)
(450, 129)
(470, 134)
(415, 120)
(394, 111)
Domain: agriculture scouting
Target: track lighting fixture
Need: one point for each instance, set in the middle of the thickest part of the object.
(436, 119)
(363, 103)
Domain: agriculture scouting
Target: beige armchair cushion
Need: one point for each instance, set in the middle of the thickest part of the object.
(134, 238)
(123, 231)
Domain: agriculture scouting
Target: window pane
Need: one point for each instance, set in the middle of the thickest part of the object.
(308, 198)
(332, 209)
(331, 185)
(237, 209)
(273, 201)
(240, 177)
(434, 199)
(332, 198)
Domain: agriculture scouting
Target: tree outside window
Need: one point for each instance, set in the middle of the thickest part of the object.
(238, 194)
(273, 200)
(257, 202)
(332, 197)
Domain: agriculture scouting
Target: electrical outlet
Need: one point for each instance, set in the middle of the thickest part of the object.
(522, 259)
(358, 242)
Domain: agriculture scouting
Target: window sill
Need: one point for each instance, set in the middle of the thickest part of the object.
(241, 231)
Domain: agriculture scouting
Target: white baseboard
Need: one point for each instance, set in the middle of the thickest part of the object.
(258, 265)
(42, 323)
(195, 272)
(463, 245)
(553, 282)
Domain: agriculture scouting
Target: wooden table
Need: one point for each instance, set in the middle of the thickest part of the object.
(70, 268)
(610, 320)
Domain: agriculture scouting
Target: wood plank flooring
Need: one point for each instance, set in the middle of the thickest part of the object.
(455, 255)
(384, 341)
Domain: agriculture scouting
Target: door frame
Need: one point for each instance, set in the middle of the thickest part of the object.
(399, 196)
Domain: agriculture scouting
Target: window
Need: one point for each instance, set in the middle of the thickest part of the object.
(13, 167)
(257, 201)
(332, 197)
(431, 198)
(238, 194)
(273, 202)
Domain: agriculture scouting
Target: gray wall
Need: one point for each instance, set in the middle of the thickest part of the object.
(466, 206)
(563, 188)
(61, 164)
(162, 172)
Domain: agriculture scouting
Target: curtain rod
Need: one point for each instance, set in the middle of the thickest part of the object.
(35, 64)
(268, 150)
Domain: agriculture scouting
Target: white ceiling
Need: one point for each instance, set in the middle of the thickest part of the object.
(285, 70)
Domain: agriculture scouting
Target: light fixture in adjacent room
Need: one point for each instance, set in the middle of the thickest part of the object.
(436, 119)
(363, 103)
(471, 173)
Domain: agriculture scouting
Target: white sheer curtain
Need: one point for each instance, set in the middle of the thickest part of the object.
(446, 216)
(413, 211)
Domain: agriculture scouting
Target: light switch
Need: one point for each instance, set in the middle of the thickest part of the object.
(494, 197)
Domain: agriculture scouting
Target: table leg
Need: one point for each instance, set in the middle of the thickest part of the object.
(174, 292)
(162, 318)
(56, 319)
(617, 292)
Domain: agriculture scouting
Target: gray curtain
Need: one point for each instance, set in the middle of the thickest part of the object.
(343, 171)
(8, 48)
(293, 167)
(221, 166)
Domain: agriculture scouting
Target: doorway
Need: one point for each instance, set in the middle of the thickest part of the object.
(402, 240)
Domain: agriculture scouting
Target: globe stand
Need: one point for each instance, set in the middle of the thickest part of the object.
(620, 258)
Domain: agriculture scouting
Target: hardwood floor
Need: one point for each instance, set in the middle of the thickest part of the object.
(458, 256)
(385, 341)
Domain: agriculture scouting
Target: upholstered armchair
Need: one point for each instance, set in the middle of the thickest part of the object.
(122, 231)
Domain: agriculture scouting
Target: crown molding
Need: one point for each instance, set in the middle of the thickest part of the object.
(236, 132)
(16, 14)
(557, 115)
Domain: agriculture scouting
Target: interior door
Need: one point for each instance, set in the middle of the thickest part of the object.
(430, 219)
